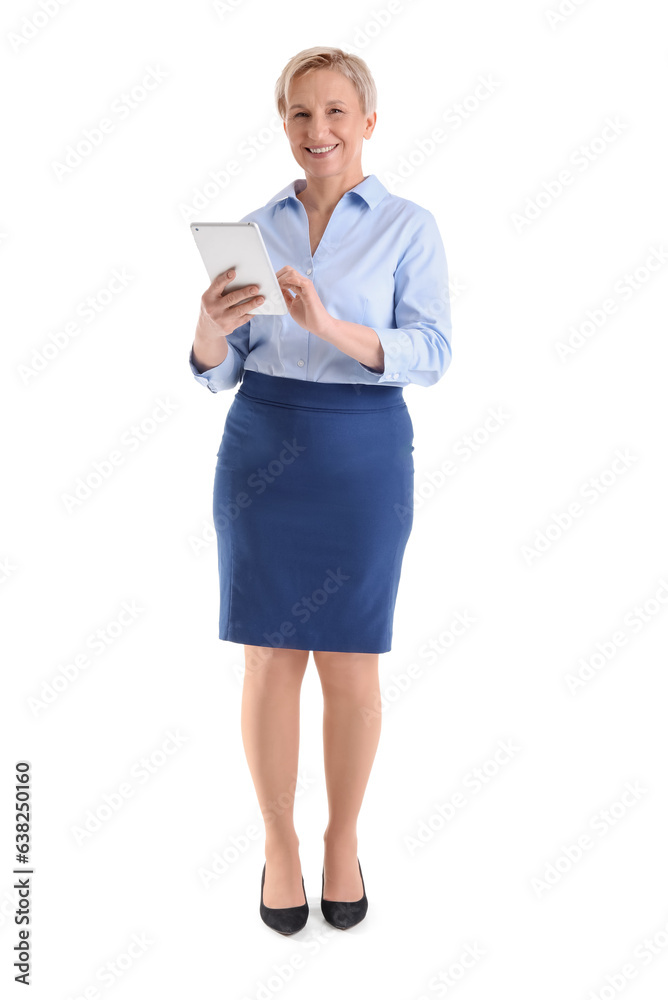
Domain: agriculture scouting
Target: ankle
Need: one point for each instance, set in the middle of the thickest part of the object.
(281, 842)
(341, 837)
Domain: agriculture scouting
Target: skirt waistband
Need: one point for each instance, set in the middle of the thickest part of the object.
(319, 395)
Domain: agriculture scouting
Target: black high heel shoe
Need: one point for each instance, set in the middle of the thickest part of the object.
(284, 919)
(343, 914)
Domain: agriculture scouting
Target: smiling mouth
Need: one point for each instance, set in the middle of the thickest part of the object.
(321, 150)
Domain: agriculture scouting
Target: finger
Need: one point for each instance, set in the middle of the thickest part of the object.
(239, 311)
(222, 279)
(232, 298)
(290, 272)
(289, 281)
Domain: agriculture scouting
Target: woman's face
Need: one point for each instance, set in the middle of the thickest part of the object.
(324, 110)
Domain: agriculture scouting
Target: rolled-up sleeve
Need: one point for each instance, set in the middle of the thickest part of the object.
(228, 372)
(418, 349)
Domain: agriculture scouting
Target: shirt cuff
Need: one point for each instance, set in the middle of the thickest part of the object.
(222, 376)
(398, 350)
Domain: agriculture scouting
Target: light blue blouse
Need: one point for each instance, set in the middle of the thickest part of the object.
(380, 262)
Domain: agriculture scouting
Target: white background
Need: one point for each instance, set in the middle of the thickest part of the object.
(518, 291)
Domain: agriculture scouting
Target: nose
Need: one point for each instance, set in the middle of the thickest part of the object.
(318, 129)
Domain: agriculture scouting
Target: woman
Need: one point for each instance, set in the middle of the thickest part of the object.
(313, 491)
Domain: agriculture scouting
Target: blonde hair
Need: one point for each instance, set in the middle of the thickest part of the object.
(318, 57)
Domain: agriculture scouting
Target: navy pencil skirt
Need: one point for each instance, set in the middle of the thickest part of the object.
(312, 506)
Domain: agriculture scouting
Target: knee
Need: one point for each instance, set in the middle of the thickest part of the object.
(347, 673)
(274, 662)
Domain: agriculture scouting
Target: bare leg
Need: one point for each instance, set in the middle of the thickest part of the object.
(270, 734)
(351, 731)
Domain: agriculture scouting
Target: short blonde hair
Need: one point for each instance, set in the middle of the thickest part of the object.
(318, 57)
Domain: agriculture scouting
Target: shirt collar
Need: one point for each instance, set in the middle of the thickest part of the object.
(371, 190)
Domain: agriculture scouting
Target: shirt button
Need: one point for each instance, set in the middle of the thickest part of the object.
(300, 363)
(396, 375)
(309, 270)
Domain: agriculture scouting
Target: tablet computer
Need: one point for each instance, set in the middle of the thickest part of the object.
(239, 245)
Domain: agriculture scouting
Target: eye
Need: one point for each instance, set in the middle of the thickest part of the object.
(303, 112)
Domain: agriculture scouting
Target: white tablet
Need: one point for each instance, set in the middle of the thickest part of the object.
(239, 245)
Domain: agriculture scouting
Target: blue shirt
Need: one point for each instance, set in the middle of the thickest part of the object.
(380, 262)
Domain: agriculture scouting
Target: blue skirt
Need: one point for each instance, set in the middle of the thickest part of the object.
(312, 506)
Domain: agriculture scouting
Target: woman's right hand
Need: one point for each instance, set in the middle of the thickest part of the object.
(221, 314)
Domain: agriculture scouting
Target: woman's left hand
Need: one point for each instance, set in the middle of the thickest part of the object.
(305, 306)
